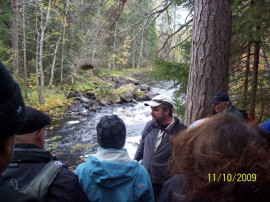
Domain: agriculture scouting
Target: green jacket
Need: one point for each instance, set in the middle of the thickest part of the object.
(231, 109)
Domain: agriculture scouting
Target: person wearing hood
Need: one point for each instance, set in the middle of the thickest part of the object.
(110, 174)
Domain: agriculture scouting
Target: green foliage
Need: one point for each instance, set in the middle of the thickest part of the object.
(251, 23)
(55, 103)
(109, 72)
(83, 86)
(176, 72)
(117, 72)
(104, 90)
(247, 17)
(179, 108)
(122, 56)
(171, 71)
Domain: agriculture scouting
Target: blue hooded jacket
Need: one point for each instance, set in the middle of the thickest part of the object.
(266, 126)
(111, 175)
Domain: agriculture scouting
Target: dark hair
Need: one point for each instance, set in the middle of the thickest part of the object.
(111, 132)
(166, 107)
(223, 145)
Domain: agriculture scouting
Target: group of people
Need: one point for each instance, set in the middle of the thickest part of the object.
(220, 158)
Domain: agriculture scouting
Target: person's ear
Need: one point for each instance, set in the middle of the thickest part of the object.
(41, 138)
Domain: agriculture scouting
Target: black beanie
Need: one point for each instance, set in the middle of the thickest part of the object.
(111, 132)
(12, 109)
(34, 120)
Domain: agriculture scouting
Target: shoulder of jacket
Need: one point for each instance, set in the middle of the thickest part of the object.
(142, 172)
(148, 123)
(178, 125)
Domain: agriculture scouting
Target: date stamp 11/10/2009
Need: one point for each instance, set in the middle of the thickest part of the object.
(232, 177)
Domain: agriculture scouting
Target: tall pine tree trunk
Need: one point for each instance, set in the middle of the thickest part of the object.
(254, 85)
(209, 56)
(247, 76)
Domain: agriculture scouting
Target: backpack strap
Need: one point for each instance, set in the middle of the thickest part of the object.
(38, 187)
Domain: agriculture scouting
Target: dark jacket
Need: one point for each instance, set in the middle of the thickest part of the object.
(231, 109)
(174, 189)
(156, 162)
(28, 162)
(10, 195)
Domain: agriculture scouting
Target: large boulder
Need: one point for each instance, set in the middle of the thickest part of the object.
(144, 87)
(141, 95)
(127, 92)
(112, 99)
(72, 94)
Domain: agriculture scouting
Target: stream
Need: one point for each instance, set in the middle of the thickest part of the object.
(72, 139)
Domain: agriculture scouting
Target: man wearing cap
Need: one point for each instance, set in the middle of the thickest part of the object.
(12, 115)
(34, 170)
(155, 148)
(110, 174)
(222, 104)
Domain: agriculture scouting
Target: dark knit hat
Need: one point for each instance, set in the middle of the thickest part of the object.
(34, 120)
(111, 132)
(220, 97)
(12, 109)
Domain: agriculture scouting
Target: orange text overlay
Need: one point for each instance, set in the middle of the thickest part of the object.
(232, 177)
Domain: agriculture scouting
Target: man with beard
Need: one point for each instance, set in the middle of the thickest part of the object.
(155, 148)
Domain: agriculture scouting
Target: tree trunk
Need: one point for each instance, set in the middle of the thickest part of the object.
(63, 41)
(24, 53)
(15, 38)
(245, 101)
(97, 26)
(54, 60)
(254, 85)
(209, 56)
(141, 51)
(266, 63)
(42, 37)
(41, 72)
(114, 44)
(37, 57)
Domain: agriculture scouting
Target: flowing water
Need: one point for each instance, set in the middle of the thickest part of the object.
(72, 139)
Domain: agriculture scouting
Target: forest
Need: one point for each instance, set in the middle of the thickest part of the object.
(53, 47)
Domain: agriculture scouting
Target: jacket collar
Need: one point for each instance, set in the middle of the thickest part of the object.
(172, 128)
(29, 153)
